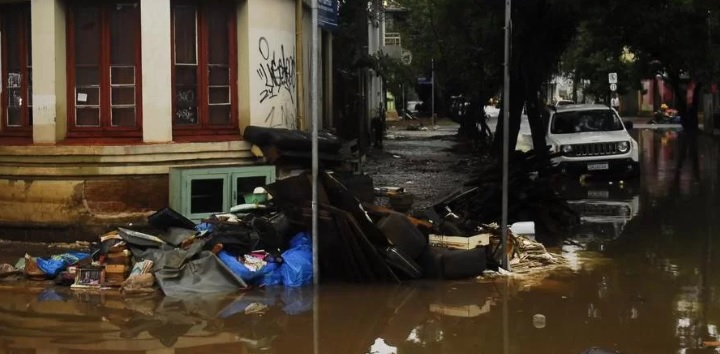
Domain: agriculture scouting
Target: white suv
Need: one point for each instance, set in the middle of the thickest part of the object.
(591, 139)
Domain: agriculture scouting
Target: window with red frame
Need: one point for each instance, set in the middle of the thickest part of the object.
(16, 73)
(204, 67)
(104, 68)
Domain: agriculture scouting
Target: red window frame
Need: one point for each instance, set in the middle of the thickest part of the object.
(204, 130)
(105, 128)
(21, 14)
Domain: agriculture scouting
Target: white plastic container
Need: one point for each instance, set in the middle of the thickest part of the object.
(523, 228)
(539, 321)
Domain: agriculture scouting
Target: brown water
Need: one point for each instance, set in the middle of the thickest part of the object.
(645, 283)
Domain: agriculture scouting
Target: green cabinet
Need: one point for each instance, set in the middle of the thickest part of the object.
(198, 192)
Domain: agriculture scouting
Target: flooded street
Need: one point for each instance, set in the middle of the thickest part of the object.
(644, 277)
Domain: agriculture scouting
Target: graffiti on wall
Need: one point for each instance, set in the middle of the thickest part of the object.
(277, 73)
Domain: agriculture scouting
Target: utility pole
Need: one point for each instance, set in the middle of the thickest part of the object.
(505, 185)
(506, 128)
(432, 95)
(315, 121)
(404, 104)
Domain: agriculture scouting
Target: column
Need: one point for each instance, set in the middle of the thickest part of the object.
(48, 71)
(156, 69)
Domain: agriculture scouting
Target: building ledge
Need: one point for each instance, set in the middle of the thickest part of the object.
(145, 159)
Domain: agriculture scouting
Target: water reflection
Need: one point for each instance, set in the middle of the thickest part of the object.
(105, 322)
(353, 319)
(659, 234)
(604, 208)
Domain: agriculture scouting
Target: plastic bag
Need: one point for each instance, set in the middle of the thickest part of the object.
(301, 239)
(204, 226)
(263, 276)
(53, 265)
(297, 267)
(272, 275)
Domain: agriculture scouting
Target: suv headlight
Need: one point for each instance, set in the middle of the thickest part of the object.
(623, 146)
(566, 149)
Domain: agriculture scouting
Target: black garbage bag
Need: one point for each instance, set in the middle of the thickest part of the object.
(236, 238)
(166, 218)
(273, 230)
(290, 139)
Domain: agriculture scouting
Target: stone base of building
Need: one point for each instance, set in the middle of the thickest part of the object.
(70, 193)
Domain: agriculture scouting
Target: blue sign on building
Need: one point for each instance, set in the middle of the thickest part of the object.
(328, 14)
(423, 80)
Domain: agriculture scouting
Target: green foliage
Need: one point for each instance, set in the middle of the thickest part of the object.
(589, 59)
(460, 35)
(395, 74)
(586, 39)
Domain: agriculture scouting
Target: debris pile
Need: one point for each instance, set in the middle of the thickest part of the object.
(267, 242)
(530, 197)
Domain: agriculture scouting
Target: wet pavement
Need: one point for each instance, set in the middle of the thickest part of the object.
(643, 278)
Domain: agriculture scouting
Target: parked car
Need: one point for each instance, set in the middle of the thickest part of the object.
(413, 106)
(564, 102)
(592, 139)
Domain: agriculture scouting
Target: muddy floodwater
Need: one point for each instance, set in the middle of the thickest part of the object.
(643, 277)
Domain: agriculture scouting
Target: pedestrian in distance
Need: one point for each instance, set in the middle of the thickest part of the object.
(688, 144)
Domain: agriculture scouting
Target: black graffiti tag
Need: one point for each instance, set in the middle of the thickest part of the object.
(277, 71)
(283, 117)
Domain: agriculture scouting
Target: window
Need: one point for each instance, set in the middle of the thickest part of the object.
(585, 121)
(197, 192)
(16, 70)
(204, 67)
(393, 39)
(104, 69)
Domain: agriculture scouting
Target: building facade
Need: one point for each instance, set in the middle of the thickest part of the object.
(99, 99)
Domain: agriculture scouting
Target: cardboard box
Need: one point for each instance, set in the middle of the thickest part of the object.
(459, 242)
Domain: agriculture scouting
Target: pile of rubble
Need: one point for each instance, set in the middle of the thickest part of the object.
(266, 241)
(530, 197)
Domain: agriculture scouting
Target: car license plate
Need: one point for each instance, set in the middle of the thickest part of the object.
(598, 194)
(598, 166)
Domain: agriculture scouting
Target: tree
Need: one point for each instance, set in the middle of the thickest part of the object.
(456, 34)
(669, 38)
(673, 38)
(590, 58)
(541, 32)
(466, 39)
(351, 62)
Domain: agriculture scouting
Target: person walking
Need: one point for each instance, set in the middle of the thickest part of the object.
(688, 143)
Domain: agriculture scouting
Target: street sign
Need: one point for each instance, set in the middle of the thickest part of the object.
(406, 57)
(424, 80)
(613, 87)
(328, 14)
(612, 78)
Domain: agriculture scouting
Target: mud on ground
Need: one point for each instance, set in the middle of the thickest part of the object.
(430, 164)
